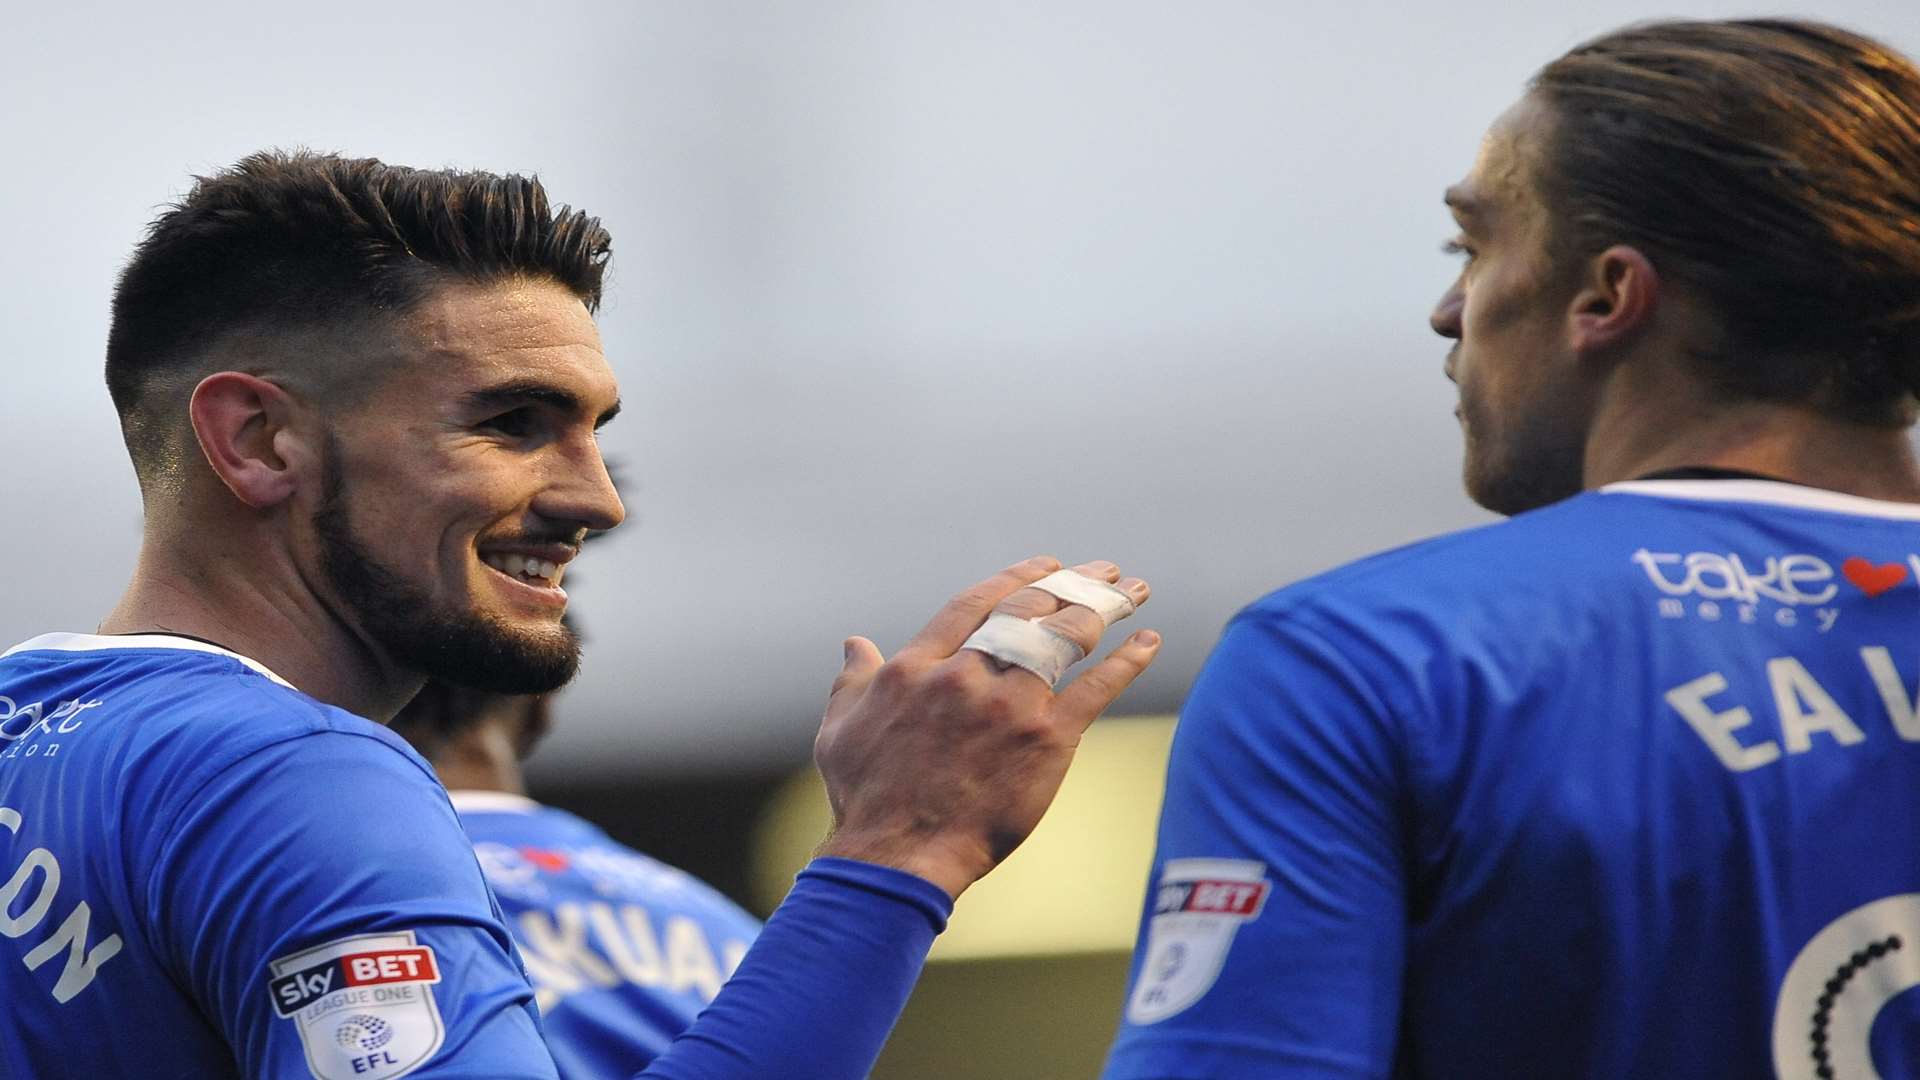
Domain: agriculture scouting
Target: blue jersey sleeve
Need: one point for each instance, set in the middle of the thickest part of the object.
(1274, 934)
(319, 899)
(820, 989)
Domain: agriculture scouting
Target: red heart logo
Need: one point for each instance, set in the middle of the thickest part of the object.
(552, 862)
(1873, 580)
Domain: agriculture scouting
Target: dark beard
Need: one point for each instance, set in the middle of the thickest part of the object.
(1538, 462)
(461, 648)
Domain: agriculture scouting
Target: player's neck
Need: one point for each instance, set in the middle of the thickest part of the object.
(1644, 434)
(484, 758)
(253, 606)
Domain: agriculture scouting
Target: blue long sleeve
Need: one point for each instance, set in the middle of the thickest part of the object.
(819, 991)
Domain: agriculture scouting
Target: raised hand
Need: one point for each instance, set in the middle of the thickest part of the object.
(942, 760)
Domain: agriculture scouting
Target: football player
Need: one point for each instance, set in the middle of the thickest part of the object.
(1628, 785)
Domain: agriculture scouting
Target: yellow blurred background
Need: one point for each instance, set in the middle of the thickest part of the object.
(1026, 983)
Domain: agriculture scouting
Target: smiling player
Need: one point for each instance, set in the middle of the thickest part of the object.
(1628, 786)
(361, 403)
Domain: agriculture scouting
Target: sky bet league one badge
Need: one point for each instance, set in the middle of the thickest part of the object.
(1198, 907)
(364, 1005)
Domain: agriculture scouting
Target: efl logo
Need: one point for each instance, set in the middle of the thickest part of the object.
(363, 1005)
(296, 991)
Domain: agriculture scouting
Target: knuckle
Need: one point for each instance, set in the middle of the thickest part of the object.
(1027, 604)
(951, 679)
(1099, 680)
(1021, 573)
(1033, 738)
(893, 677)
(974, 596)
(1078, 624)
(998, 710)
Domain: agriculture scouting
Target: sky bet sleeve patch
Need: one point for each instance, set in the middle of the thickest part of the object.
(1197, 909)
(364, 1005)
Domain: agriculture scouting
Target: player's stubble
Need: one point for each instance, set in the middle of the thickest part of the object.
(462, 647)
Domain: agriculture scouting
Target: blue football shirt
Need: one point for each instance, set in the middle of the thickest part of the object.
(624, 951)
(1628, 786)
(205, 873)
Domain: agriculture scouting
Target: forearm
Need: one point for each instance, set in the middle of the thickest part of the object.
(817, 995)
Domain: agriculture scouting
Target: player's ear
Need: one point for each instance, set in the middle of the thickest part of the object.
(246, 428)
(1616, 298)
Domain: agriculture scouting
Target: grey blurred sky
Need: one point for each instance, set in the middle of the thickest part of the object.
(902, 292)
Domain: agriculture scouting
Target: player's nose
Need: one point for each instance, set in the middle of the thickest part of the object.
(583, 493)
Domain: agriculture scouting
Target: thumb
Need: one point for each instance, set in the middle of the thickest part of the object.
(863, 659)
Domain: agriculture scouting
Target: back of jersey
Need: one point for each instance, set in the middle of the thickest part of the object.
(1629, 786)
(1770, 831)
(624, 951)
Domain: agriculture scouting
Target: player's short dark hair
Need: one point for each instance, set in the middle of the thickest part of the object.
(441, 713)
(287, 243)
(437, 713)
(1772, 165)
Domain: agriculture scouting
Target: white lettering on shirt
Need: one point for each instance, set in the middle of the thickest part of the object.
(83, 963)
(1716, 728)
(1802, 709)
(576, 947)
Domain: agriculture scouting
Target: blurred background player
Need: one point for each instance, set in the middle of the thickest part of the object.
(623, 950)
(1630, 784)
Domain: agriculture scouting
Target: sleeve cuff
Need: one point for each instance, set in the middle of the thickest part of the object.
(884, 881)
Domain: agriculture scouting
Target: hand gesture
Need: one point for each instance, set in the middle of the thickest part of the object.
(941, 760)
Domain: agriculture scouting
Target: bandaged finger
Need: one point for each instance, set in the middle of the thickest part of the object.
(1072, 587)
(1026, 643)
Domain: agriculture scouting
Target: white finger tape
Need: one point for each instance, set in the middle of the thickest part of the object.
(1073, 587)
(1011, 639)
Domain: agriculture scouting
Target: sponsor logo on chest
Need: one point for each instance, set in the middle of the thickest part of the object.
(30, 729)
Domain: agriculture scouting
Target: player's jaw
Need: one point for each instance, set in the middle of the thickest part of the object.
(1525, 448)
(490, 628)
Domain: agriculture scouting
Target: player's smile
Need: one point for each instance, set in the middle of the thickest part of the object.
(531, 572)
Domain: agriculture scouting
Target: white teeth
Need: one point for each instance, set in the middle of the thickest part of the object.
(525, 566)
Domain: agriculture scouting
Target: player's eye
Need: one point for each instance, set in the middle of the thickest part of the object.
(1460, 247)
(514, 423)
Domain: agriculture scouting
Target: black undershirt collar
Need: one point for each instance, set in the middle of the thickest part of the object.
(178, 634)
(1710, 472)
